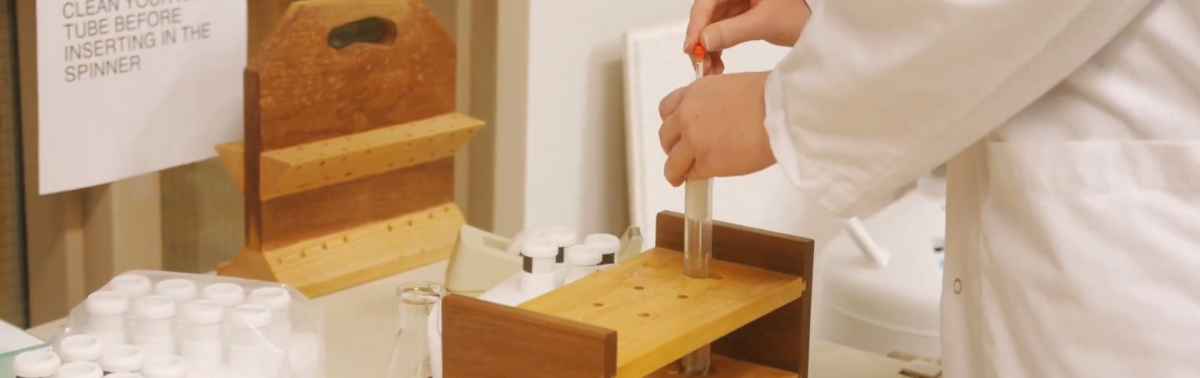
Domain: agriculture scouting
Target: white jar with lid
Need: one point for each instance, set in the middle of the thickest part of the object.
(40, 363)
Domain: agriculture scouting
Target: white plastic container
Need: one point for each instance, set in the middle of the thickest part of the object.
(278, 301)
(582, 260)
(208, 336)
(226, 293)
(81, 347)
(607, 246)
(880, 287)
(164, 367)
(122, 359)
(40, 363)
(133, 285)
(79, 370)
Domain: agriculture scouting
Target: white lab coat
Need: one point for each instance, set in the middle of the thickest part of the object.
(1071, 127)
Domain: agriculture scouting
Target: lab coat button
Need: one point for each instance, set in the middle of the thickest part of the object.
(957, 286)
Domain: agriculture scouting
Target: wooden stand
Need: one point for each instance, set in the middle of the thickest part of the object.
(639, 318)
(348, 162)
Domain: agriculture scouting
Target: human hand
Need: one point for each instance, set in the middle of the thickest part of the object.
(715, 128)
(721, 24)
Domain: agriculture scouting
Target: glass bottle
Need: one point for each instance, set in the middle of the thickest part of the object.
(410, 355)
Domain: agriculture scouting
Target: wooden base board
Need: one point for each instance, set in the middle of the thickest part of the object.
(724, 367)
(336, 262)
(642, 316)
(661, 315)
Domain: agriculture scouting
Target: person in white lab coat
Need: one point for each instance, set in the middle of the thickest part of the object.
(1071, 128)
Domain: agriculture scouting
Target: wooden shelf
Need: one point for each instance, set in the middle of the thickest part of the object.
(659, 314)
(335, 160)
(318, 164)
(323, 265)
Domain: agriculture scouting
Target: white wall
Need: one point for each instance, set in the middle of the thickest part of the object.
(560, 113)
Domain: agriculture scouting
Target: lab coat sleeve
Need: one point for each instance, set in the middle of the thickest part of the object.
(877, 92)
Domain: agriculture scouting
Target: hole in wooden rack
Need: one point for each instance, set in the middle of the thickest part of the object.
(391, 165)
(322, 163)
(655, 264)
(326, 178)
(598, 304)
(638, 288)
(410, 223)
(430, 216)
(368, 151)
(389, 228)
(411, 160)
(324, 246)
(373, 30)
(681, 296)
(446, 209)
(644, 315)
(348, 174)
(345, 157)
(345, 239)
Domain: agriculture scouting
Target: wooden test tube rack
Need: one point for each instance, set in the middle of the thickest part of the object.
(639, 318)
(350, 134)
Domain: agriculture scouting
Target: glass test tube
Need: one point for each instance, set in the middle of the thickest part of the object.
(697, 244)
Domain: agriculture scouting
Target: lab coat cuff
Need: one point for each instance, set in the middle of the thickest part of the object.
(832, 196)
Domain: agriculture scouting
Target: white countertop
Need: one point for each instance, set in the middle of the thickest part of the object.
(361, 324)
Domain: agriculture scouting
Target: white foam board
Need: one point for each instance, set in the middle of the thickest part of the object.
(655, 65)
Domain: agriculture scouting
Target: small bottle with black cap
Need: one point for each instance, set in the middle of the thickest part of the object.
(538, 267)
(562, 237)
(607, 246)
(581, 261)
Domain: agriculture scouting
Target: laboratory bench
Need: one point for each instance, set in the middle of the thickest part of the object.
(361, 322)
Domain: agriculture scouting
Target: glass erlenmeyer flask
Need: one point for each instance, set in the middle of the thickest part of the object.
(410, 355)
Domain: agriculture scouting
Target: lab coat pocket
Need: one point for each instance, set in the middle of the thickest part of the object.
(1090, 258)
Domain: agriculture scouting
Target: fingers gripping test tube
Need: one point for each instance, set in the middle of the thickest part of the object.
(697, 243)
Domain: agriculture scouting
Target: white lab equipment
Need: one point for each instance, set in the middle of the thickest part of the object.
(247, 335)
(154, 324)
(132, 285)
(178, 289)
(881, 281)
(124, 375)
(217, 338)
(79, 370)
(581, 261)
(164, 367)
(539, 273)
(122, 359)
(607, 246)
(227, 294)
(38, 363)
(203, 319)
(277, 300)
(107, 317)
(80, 347)
(562, 237)
(481, 260)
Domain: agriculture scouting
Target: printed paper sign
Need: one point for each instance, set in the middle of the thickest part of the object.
(128, 87)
